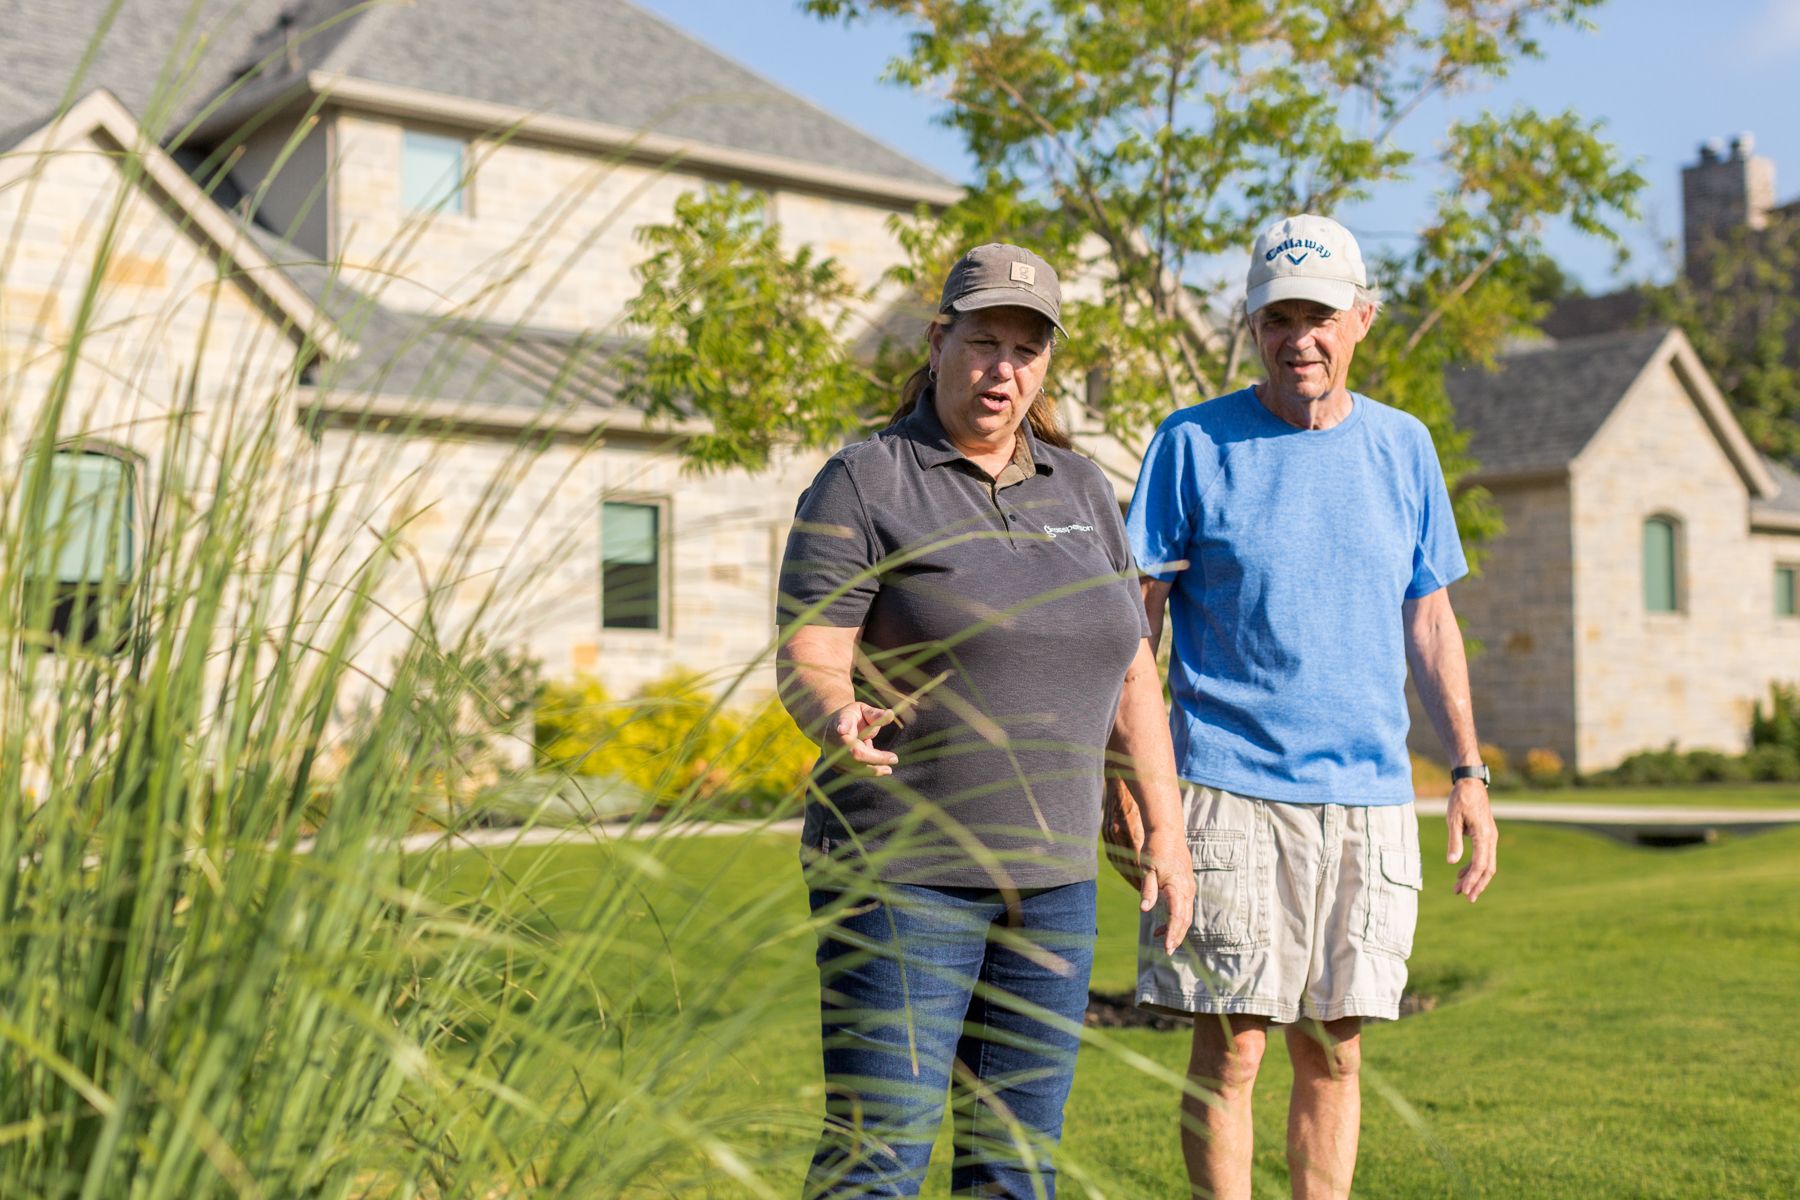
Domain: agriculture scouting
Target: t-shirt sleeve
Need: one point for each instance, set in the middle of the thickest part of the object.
(1438, 558)
(831, 553)
(1118, 546)
(1165, 505)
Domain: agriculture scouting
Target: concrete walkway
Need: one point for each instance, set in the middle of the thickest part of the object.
(1643, 823)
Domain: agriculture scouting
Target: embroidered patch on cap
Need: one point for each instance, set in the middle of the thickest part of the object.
(1024, 273)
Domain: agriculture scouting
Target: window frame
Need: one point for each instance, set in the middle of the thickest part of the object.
(662, 506)
(67, 592)
(1792, 571)
(1678, 596)
(464, 191)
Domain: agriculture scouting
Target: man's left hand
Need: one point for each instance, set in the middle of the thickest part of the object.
(1469, 813)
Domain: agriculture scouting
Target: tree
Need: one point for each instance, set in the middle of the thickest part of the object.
(1739, 303)
(742, 333)
(1145, 141)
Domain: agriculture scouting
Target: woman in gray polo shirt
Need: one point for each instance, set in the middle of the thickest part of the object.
(966, 641)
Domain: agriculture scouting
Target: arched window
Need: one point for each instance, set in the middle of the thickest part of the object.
(1662, 565)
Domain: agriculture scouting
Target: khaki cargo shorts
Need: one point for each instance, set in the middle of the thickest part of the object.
(1301, 910)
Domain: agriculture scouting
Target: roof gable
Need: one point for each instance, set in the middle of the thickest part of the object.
(100, 115)
(1542, 406)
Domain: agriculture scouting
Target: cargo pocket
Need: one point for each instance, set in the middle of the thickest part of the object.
(1394, 887)
(1223, 886)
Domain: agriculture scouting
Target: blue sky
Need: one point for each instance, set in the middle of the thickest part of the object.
(1663, 74)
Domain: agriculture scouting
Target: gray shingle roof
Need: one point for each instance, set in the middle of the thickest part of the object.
(426, 357)
(1585, 316)
(1542, 405)
(600, 60)
(43, 43)
(1786, 502)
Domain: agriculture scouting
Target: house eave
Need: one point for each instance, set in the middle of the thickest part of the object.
(629, 145)
(1524, 477)
(395, 413)
(1775, 522)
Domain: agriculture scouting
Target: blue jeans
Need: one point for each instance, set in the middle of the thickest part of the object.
(931, 990)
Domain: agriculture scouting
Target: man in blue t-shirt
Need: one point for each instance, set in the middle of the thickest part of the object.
(1302, 537)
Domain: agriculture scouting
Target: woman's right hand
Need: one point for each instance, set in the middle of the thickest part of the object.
(854, 726)
(1122, 831)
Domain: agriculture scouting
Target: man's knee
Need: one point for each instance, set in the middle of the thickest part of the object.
(1228, 1051)
(1332, 1050)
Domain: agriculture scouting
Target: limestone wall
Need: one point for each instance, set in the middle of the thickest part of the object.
(1648, 679)
(1521, 611)
(166, 331)
(534, 562)
(548, 237)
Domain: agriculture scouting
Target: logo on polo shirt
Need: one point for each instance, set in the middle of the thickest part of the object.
(1053, 530)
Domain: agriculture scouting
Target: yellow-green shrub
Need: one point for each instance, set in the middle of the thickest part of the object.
(1544, 768)
(672, 742)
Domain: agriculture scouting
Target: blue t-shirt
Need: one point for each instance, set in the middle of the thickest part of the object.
(1289, 664)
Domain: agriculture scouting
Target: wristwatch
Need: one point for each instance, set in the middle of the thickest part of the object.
(1478, 771)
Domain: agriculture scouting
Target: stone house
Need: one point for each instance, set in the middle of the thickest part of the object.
(1643, 592)
(415, 235)
(419, 225)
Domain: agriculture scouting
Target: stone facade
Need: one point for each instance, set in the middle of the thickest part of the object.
(548, 238)
(1688, 677)
(166, 331)
(1571, 659)
(1519, 611)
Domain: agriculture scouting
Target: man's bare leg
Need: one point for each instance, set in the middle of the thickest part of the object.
(1325, 1112)
(1216, 1137)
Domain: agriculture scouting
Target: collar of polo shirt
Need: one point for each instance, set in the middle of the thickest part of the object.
(933, 448)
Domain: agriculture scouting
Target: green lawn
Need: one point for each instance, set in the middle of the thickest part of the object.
(1614, 1022)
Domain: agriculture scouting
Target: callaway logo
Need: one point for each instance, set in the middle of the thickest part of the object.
(1303, 245)
(1053, 530)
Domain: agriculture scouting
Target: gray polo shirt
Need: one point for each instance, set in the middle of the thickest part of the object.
(999, 615)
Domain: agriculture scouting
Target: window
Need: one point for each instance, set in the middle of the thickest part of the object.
(1662, 565)
(87, 543)
(1784, 589)
(631, 565)
(433, 173)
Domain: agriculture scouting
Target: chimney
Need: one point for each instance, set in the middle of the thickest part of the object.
(1724, 192)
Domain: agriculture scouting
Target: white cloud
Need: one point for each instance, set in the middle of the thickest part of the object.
(1773, 34)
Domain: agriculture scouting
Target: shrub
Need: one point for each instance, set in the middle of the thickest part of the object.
(1710, 766)
(1773, 764)
(1667, 765)
(675, 744)
(1430, 777)
(1544, 768)
(1780, 726)
(1499, 765)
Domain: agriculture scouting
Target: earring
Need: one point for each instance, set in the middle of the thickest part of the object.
(931, 374)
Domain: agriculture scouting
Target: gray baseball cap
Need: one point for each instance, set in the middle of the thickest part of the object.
(996, 275)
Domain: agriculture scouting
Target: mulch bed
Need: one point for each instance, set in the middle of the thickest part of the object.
(1117, 1010)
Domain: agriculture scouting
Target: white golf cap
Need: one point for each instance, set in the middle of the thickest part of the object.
(1305, 258)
